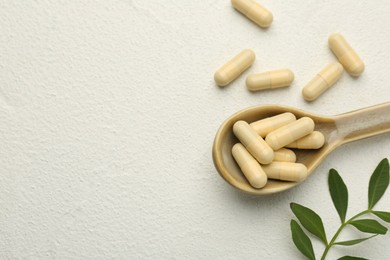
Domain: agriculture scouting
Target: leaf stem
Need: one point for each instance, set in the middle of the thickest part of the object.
(331, 243)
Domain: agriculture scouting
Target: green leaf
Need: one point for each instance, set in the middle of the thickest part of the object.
(369, 226)
(378, 183)
(347, 257)
(309, 220)
(385, 216)
(354, 242)
(301, 240)
(339, 193)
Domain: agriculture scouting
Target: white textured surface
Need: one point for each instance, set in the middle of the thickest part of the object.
(108, 111)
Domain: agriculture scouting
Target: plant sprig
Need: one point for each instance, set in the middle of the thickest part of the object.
(312, 222)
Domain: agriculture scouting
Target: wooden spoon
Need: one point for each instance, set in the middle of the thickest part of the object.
(337, 130)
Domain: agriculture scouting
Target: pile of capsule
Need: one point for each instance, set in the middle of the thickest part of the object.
(327, 77)
(263, 152)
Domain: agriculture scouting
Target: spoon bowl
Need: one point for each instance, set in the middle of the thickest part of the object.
(338, 130)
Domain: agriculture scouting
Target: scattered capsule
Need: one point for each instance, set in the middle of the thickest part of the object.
(289, 133)
(249, 166)
(346, 55)
(255, 12)
(267, 125)
(284, 155)
(322, 81)
(314, 140)
(253, 142)
(233, 68)
(286, 171)
(270, 79)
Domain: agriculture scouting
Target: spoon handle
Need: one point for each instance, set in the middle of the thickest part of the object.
(363, 123)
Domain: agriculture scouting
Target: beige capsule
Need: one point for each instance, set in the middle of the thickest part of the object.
(253, 142)
(251, 169)
(314, 140)
(233, 68)
(255, 12)
(270, 79)
(326, 78)
(286, 171)
(284, 155)
(346, 55)
(289, 133)
(269, 124)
